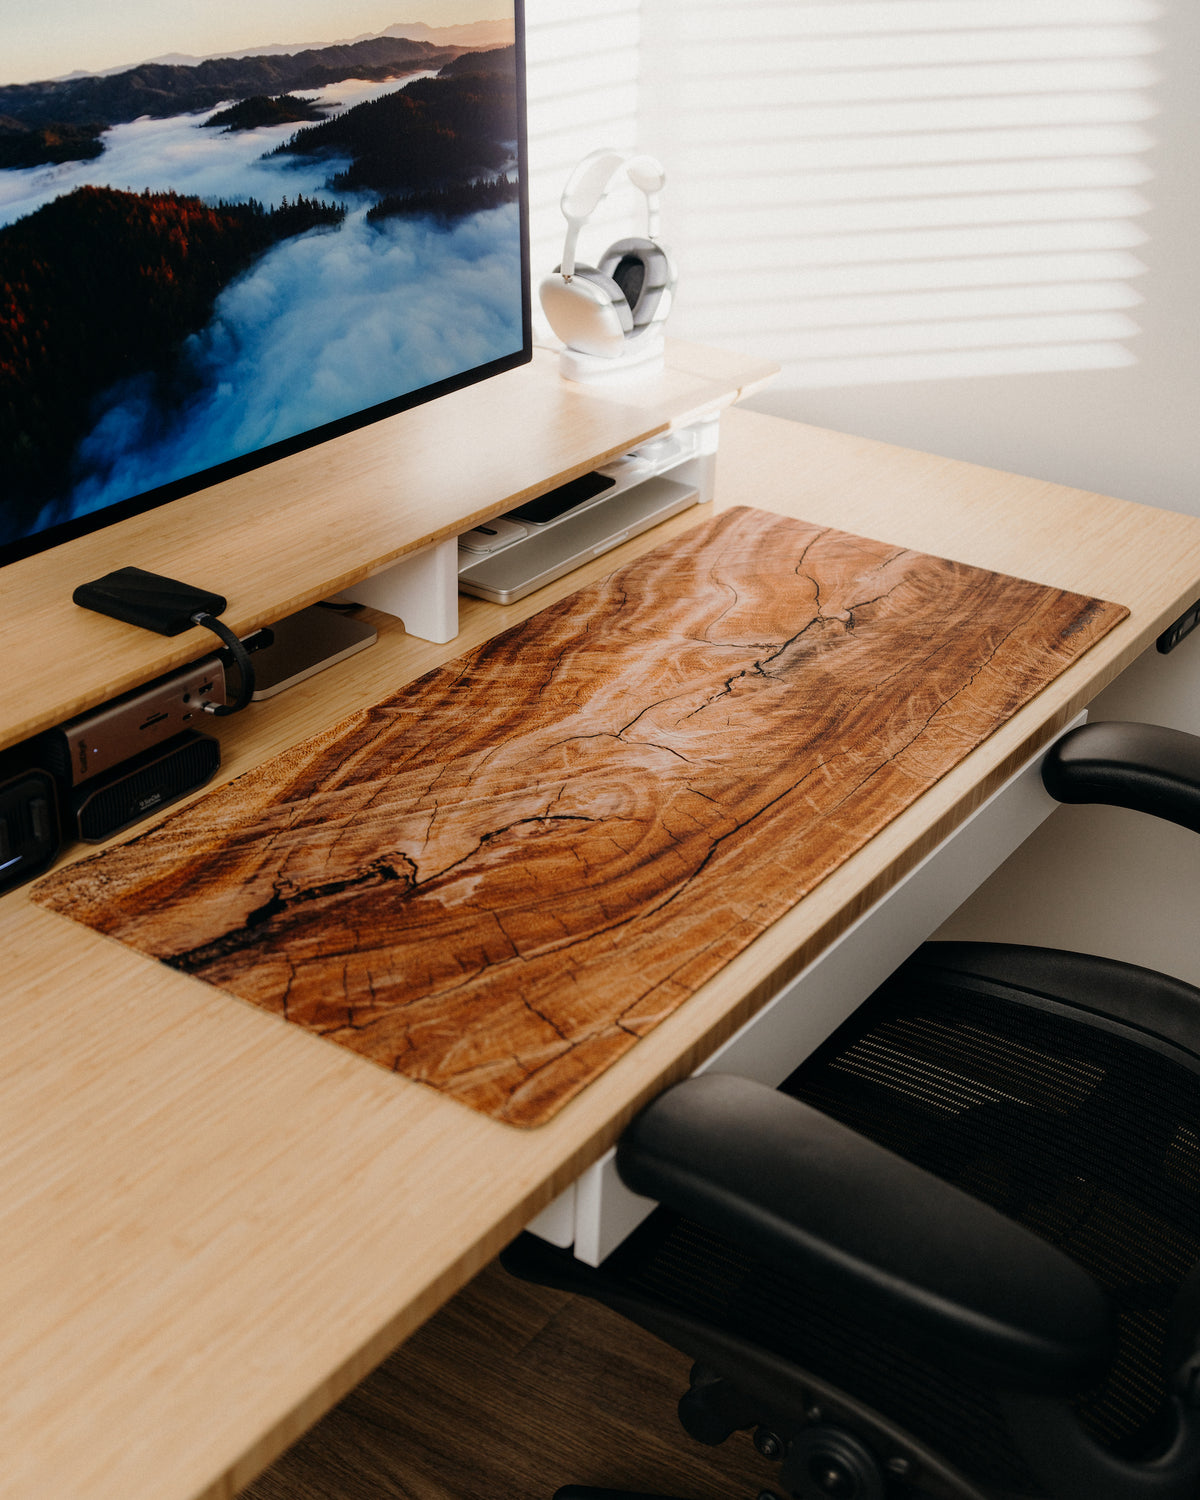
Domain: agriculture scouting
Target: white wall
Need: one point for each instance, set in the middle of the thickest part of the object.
(1130, 430)
(873, 222)
(583, 59)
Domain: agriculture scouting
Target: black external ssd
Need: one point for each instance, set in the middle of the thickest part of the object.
(566, 497)
(163, 605)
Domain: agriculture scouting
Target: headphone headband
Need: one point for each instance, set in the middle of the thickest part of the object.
(588, 186)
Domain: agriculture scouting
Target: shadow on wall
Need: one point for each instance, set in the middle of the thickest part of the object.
(916, 189)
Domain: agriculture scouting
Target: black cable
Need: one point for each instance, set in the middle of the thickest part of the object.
(241, 658)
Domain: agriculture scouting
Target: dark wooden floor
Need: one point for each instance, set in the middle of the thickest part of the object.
(509, 1392)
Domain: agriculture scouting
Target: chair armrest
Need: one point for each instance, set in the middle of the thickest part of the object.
(865, 1228)
(1142, 766)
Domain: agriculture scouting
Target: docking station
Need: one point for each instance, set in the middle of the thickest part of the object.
(106, 737)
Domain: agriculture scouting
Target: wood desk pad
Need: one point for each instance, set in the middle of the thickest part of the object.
(499, 878)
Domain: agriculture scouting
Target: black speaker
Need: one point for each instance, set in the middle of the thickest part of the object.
(140, 786)
(30, 836)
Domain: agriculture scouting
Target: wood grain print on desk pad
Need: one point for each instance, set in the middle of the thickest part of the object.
(499, 878)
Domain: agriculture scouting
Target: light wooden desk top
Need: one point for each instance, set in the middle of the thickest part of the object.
(213, 1228)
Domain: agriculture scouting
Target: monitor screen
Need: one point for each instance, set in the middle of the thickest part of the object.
(229, 231)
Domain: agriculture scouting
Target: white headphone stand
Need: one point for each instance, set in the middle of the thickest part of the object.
(643, 354)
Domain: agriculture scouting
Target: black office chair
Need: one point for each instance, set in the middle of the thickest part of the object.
(956, 1255)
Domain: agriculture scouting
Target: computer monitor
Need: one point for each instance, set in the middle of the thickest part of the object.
(229, 232)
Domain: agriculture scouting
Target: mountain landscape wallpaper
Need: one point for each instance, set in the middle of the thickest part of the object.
(202, 256)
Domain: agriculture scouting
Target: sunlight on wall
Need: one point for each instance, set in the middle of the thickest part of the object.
(583, 93)
(905, 189)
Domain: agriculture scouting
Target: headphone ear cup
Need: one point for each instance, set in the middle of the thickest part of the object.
(612, 289)
(644, 274)
(589, 312)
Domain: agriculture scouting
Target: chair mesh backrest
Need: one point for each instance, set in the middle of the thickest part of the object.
(1087, 1136)
(1083, 1135)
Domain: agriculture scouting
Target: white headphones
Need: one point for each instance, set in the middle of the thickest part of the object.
(604, 310)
